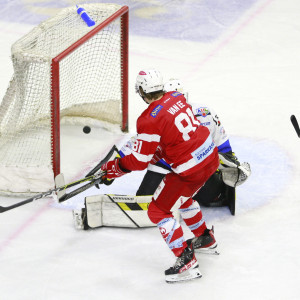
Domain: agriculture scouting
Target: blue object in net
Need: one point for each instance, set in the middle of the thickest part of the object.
(85, 17)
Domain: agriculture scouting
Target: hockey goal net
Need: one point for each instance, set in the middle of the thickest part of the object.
(63, 70)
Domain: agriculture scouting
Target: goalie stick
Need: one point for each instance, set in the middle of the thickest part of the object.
(93, 179)
(295, 124)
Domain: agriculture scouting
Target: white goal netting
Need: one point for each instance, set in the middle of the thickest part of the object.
(89, 89)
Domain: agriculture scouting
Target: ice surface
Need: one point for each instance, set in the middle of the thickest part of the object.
(248, 70)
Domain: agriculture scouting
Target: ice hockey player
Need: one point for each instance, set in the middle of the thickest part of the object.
(215, 191)
(169, 129)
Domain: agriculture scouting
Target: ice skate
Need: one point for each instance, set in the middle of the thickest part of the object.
(185, 267)
(205, 243)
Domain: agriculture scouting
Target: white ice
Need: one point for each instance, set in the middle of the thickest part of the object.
(250, 75)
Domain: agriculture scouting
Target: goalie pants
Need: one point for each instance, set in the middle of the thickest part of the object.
(178, 190)
(209, 195)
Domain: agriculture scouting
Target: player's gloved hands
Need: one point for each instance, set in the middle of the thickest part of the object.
(102, 178)
(105, 181)
(112, 169)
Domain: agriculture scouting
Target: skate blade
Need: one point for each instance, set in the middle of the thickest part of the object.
(211, 250)
(208, 251)
(187, 275)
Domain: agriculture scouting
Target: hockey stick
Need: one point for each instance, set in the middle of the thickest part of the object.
(295, 124)
(104, 160)
(81, 189)
(93, 178)
(78, 191)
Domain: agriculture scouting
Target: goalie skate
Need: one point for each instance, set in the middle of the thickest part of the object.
(205, 243)
(185, 268)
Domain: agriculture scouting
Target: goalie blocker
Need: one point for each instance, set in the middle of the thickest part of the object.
(115, 211)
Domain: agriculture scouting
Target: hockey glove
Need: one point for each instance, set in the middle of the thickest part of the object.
(104, 181)
(228, 160)
(236, 176)
(234, 173)
(113, 170)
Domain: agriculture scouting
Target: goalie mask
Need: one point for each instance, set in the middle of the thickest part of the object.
(175, 85)
(148, 81)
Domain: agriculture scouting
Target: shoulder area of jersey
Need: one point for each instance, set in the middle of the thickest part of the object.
(201, 110)
(168, 99)
(172, 94)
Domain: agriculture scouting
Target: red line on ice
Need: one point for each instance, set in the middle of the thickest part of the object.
(26, 224)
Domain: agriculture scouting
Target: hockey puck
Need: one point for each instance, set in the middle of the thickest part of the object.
(86, 129)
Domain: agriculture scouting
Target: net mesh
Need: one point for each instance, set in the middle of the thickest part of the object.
(89, 88)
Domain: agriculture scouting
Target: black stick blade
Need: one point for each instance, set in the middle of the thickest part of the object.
(295, 124)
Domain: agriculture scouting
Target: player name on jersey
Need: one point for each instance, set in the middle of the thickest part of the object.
(176, 107)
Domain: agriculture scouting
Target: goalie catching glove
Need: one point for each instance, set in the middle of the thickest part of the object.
(234, 173)
(112, 169)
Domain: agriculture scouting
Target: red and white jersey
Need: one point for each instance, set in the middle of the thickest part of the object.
(171, 124)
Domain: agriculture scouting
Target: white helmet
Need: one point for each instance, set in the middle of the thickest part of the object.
(150, 81)
(173, 85)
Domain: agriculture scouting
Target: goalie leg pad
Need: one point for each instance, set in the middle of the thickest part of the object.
(80, 219)
(93, 205)
(118, 211)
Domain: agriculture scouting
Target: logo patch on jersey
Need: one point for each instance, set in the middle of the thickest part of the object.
(156, 110)
(204, 151)
(142, 73)
(205, 124)
(202, 111)
(176, 94)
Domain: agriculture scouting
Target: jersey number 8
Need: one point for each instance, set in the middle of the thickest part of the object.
(186, 127)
